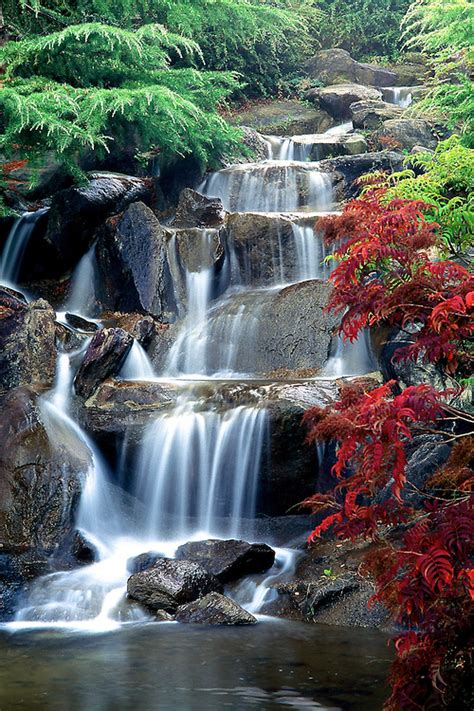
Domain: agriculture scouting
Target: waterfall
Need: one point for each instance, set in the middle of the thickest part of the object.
(16, 244)
(401, 96)
(81, 298)
(255, 592)
(288, 149)
(351, 358)
(199, 470)
(137, 365)
(311, 254)
(271, 186)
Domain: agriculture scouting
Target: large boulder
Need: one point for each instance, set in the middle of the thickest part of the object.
(27, 337)
(283, 118)
(171, 583)
(336, 66)
(42, 466)
(132, 263)
(196, 210)
(370, 114)
(228, 560)
(104, 356)
(214, 609)
(405, 134)
(75, 215)
(345, 170)
(337, 99)
(142, 327)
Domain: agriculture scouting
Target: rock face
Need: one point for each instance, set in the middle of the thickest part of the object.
(106, 352)
(371, 114)
(41, 470)
(337, 99)
(257, 144)
(170, 583)
(214, 609)
(407, 133)
(27, 338)
(132, 263)
(346, 169)
(228, 560)
(196, 210)
(336, 66)
(284, 118)
(76, 213)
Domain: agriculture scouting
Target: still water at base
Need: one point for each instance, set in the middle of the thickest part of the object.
(274, 665)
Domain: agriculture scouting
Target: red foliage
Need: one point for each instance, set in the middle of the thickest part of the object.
(385, 276)
(425, 577)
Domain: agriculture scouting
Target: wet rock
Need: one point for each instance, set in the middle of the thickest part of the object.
(214, 609)
(68, 339)
(106, 352)
(327, 146)
(346, 169)
(28, 342)
(336, 66)
(142, 328)
(83, 550)
(257, 243)
(284, 118)
(82, 324)
(75, 215)
(337, 99)
(171, 583)
(119, 407)
(257, 144)
(406, 133)
(163, 616)
(132, 263)
(196, 210)
(42, 465)
(370, 114)
(143, 562)
(228, 560)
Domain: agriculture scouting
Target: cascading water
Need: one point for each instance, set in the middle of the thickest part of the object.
(401, 96)
(137, 365)
(16, 244)
(81, 298)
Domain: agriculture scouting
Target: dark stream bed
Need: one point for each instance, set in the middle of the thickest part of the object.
(274, 665)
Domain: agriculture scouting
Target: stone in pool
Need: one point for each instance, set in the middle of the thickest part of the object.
(214, 609)
(228, 560)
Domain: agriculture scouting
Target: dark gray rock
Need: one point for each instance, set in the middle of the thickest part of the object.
(106, 352)
(42, 465)
(171, 583)
(82, 550)
(132, 263)
(214, 609)
(142, 562)
(337, 99)
(28, 342)
(345, 170)
(76, 213)
(228, 560)
(82, 324)
(370, 114)
(336, 66)
(407, 133)
(255, 142)
(196, 210)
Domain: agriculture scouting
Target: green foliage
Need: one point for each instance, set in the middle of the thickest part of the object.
(446, 184)
(88, 86)
(444, 29)
(363, 27)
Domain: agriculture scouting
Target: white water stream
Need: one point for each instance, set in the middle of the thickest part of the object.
(197, 471)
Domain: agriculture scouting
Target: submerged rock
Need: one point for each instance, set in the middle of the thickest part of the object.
(81, 323)
(336, 66)
(28, 342)
(141, 562)
(42, 465)
(106, 352)
(196, 210)
(337, 99)
(170, 583)
(346, 169)
(214, 609)
(132, 263)
(228, 560)
(83, 550)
